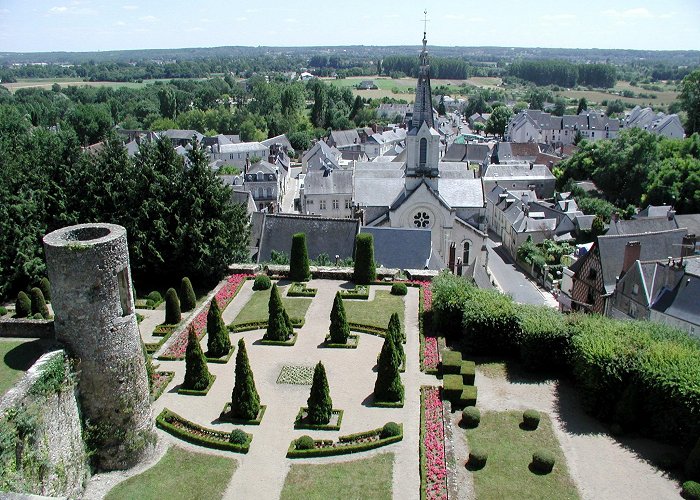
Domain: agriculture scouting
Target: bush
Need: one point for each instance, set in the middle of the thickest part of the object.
(305, 443)
(364, 270)
(23, 306)
(299, 259)
(172, 307)
(188, 299)
(531, 419)
(543, 461)
(451, 362)
(471, 416)
(245, 401)
(390, 429)
(39, 304)
(468, 396)
(155, 296)
(452, 387)
(238, 437)
(339, 329)
(262, 282)
(218, 340)
(45, 287)
(197, 375)
(477, 459)
(319, 403)
(279, 326)
(388, 387)
(545, 338)
(3, 311)
(468, 372)
(399, 289)
(691, 490)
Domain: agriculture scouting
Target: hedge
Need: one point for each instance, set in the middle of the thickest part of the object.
(451, 362)
(452, 387)
(196, 434)
(195, 392)
(352, 343)
(345, 445)
(292, 340)
(300, 290)
(360, 292)
(260, 325)
(468, 396)
(300, 424)
(691, 490)
(468, 372)
(372, 330)
(225, 416)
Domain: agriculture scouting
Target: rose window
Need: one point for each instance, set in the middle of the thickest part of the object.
(421, 219)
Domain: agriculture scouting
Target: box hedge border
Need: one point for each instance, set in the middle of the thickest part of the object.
(260, 325)
(328, 344)
(344, 449)
(225, 416)
(223, 359)
(221, 443)
(299, 424)
(194, 392)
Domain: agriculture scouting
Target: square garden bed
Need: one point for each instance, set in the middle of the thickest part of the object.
(195, 392)
(333, 425)
(352, 343)
(227, 417)
(223, 359)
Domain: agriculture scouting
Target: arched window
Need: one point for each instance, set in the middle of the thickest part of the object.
(465, 253)
(423, 151)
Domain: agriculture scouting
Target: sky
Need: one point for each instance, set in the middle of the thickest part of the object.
(92, 25)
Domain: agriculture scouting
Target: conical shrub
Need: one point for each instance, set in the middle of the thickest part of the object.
(388, 387)
(187, 296)
(218, 340)
(45, 287)
(172, 307)
(23, 305)
(38, 303)
(197, 375)
(319, 403)
(279, 326)
(245, 402)
(340, 330)
(365, 270)
(299, 259)
(393, 332)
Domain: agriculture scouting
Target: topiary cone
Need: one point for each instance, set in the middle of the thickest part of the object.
(187, 296)
(299, 259)
(45, 287)
(388, 386)
(38, 303)
(364, 271)
(279, 324)
(245, 401)
(319, 404)
(23, 305)
(218, 340)
(197, 375)
(393, 332)
(339, 330)
(172, 307)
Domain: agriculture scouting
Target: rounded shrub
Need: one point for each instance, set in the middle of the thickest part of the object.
(691, 490)
(471, 416)
(23, 306)
(155, 296)
(150, 303)
(543, 461)
(38, 303)
(531, 419)
(262, 282)
(173, 315)
(238, 437)
(390, 429)
(305, 443)
(188, 299)
(399, 289)
(45, 287)
(477, 459)
(38, 316)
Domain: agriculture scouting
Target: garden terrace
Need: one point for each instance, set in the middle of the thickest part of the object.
(255, 310)
(374, 313)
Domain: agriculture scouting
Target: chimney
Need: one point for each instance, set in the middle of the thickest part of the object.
(374, 128)
(247, 166)
(671, 214)
(614, 217)
(688, 247)
(633, 250)
(272, 159)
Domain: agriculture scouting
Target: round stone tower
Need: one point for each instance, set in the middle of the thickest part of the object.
(88, 266)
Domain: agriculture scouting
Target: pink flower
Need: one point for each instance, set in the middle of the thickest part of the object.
(434, 444)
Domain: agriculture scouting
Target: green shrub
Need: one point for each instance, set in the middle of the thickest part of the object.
(531, 419)
(545, 338)
(319, 403)
(197, 375)
(490, 323)
(399, 289)
(449, 295)
(477, 459)
(38, 316)
(218, 340)
(305, 443)
(691, 490)
(468, 396)
(468, 372)
(187, 296)
(245, 401)
(39, 306)
(388, 387)
(393, 331)
(299, 259)
(471, 416)
(451, 362)
(3, 311)
(23, 306)
(452, 386)
(45, 287)
(262, 282)
(150, 303)
(692, 463)
(238, 437)
(279, 326)
(364, 270)
(172, 307)
(390, 429)
(339, 329)
(543, 461)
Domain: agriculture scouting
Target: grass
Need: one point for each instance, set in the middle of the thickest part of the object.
(510, 449)
(17, 358)
(375, 312)
(493, 369)
(663, 98)
(366, 478)
(404, 88)
(256, 308)
(46, 83)
(180, 474)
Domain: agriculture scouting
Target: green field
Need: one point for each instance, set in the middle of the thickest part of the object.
(375, 312)
(16, 357)
(257, 307)
(46, 83)
(404, 88)
(663, 98)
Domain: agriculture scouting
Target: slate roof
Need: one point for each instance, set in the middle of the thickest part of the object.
(378, 184)
(242, 147)
(344, 138)
(402, 248)
(643, 225)
(328, 182)
(682, 301)
(467, 152)
(517, 171)
(462, 192)
(653, 211)
(323, 235)
(178, 134)
(321, 154)
(279, 139)
(690, 221)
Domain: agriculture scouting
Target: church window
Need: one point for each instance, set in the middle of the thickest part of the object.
(465, 253)
(421, 219)
(423, 151)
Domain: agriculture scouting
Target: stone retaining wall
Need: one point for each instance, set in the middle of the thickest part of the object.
(27, 328)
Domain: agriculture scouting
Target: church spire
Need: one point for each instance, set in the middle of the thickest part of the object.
(423, 105)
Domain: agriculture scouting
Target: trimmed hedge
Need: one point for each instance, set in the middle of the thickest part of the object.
(364, 270)
(345, 445)
(399, 289)
(691, 490)
(188, 299)
(304, 443)
(451, 362)
(468, 372)
(452, 387)
(188, 431)
(262, 282)
(692, 463)
(23, 305)
(292, 340)
(225, 416)
(543, 461)
(360, 292)
(198, 392)
(299, 259)
(468, 396)
(300, 290)
(471, 417)
(390, 429)
(300, 423)
(531, 419)
(260, 325)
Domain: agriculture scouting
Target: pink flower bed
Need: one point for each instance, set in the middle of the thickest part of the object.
(223, 297)
(430, 353)
(435, 472)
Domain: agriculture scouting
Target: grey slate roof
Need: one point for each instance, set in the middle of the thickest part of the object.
(328, 182)
(343, 138)
(462, 192)
(401, 248)
(517, 171)
(323, 235)
(467, 152)
(279, 139)
(643, 225)
(682, 301)
(690, 221)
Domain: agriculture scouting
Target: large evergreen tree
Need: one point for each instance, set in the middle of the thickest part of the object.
(388, 387)
(197, 375)
(365, 270)
(218, 340)
(173, 314)
(187, 295)
(279, 326)
(245, 402)
(319, 404)
(299, 260)
(339, 330)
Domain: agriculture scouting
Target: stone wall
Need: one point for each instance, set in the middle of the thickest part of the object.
(27, 328)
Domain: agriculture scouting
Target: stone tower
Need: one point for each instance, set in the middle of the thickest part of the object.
(88, 266)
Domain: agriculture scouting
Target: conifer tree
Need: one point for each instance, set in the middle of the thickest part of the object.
(218, 340)
(319, 403)
(187, 296)
(172, 307)
(23, 306)
(339, 331)
(388, 387)
(299, 259)
(45, 287)
(394, 332)
(38, 303)
(197, 375)
(365, 270)
(279, 326)
(245, 401)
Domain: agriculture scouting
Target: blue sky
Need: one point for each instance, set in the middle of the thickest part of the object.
(90, 25)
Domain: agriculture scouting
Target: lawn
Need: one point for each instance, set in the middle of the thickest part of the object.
(375, 312)
(17, 358)
(366, 478)
(180, 474)
(509, 448)
(256, 308)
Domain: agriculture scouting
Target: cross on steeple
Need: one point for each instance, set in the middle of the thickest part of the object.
(425, 27)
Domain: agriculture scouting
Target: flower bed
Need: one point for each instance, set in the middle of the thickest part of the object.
(433, 469)
(152, 347)
(296, 375)
(192, 433)
(163, 330)
(176, 349)
(429, 353)
(352, 443)
(360, 292)
(300, 290)
(260, 325)
(160, 382)
(301, 423)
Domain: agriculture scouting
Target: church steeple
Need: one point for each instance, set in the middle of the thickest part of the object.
(423, 105)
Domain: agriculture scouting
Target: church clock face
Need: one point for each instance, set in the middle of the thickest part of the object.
(421, 219)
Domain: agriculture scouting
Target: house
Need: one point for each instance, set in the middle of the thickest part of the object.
(306, 76)
(320, 155)
(399, 113)
(533, 125)
(379, 143)
(657, 123)
(479, 118)
(473, 154)
(327, 192)
(538, 153)
(261, 179)
(181, 137)
(367, 85)
(520, 177)
(237, 154)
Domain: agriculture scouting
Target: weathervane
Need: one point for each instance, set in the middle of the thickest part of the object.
(425, 22)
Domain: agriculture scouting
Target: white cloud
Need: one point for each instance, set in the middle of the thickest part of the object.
(637, 13)
(130, 7)
(148, 19)
(4, 11)
(58, 10)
